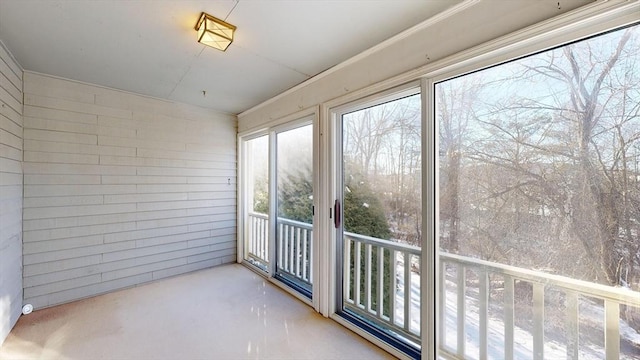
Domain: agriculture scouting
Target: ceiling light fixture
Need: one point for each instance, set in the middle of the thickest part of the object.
(214, 32)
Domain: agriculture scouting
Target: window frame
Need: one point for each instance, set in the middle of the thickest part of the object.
(334, 251)
(304, 117)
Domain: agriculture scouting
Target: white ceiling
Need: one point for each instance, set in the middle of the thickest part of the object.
(149, 47)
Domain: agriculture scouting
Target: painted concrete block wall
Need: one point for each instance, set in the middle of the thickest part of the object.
(121, 189)
(10, 192)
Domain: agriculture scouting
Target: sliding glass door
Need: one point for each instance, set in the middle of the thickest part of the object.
(278, 209)
(379, 217)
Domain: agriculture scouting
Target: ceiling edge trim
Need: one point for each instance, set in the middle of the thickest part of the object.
(386, 43)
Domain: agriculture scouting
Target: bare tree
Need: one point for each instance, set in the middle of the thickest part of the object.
(600, 83)
(455, 109)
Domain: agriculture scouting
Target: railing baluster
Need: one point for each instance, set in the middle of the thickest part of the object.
(381, 284)
(304, 255)
(367, 279)
(442, 326)
(254, 237)
(538, 321)
(266, 239)
(280, 246)
(419, 314)
(262, 237)
(292, 254)
(250, 236)
(394, 286)
(310, 255)
(298, 253)
(285, 247)
(572, 325)
(407, 291)
(259, 239)
(347, 288)
(508, 317)
(460, 310)
(612, 330)
(484, 287)
(356, 273)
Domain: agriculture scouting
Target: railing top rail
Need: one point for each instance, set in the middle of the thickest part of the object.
(283, 220)
(259, 215)
(299, 224)
(385, 243)
(621, 295)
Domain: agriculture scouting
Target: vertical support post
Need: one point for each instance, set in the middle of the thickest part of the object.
(260, 238)
(394, 285)
(310, 262)
(508, 317)
(572, 325)
(407, 291)
(305, 256)
(538, 321)
(266, 237)
(280, 246)
(419, 314)
(381, 284)
(612, 329)
(367, 279)
(356, 272)
(249, 236)
(347, 271)
(484, 310)
(460, 310)
(442, 309)
(292, 255)
(284, 239)
(298, 253)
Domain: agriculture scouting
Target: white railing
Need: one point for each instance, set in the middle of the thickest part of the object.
(391, 301)
(257, 239)
(386, 291)
(294, 246)
(294, 249)
(573, 289)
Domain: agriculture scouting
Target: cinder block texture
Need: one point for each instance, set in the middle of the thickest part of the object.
(121, 189)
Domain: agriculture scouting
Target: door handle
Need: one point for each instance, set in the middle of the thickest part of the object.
(336, 213)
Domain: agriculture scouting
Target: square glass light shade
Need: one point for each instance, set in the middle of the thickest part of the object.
(214, 32)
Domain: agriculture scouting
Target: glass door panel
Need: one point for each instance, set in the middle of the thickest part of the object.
(539, 215)
(294, 224)
(256, 225)
(381, 233)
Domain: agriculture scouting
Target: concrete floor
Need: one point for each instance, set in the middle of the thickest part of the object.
(227, 312)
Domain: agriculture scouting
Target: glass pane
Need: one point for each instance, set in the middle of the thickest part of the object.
(294, 228)
(256, 169)
(539, 206)
(383, 216)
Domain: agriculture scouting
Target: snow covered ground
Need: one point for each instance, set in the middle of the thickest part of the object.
(554, 348)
